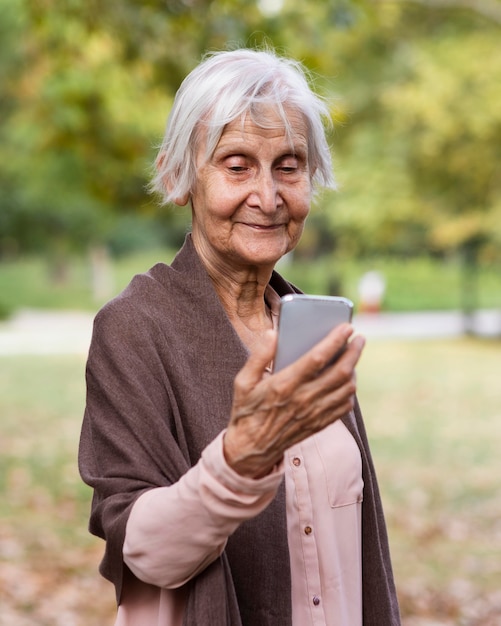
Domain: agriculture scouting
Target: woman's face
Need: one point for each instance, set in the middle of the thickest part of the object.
(252, 196)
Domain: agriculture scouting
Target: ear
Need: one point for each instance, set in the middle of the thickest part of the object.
(180, 200)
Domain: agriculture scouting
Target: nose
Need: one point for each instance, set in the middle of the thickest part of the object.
(265, 194)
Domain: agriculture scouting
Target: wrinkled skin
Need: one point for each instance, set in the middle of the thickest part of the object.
(271, 413)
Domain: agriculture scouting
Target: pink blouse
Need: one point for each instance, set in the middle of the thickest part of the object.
(175, 532)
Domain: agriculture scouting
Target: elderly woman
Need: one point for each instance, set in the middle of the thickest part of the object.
(228, 495)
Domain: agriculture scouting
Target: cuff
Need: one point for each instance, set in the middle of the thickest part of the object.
(215, 463)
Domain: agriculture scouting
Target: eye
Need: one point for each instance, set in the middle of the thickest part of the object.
(288, 165)
(236, 163)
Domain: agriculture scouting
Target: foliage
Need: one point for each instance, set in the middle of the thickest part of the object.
(456, 138)
(419, 156)
(414, 88)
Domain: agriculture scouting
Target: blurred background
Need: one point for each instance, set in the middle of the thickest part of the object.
(412, 236)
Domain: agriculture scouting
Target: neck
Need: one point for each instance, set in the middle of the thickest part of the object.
(242, 297)
(241, 290)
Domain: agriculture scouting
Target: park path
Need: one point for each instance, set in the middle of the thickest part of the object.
(69, 332)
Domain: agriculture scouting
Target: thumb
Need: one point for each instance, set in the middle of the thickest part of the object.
(261, 358)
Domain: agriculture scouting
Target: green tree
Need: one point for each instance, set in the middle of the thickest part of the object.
(418, 139)
(88, 105)
(414, 86)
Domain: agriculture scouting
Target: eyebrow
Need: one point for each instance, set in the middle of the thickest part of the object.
(235, 148)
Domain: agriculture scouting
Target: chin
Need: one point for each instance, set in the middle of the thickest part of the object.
(270, 255)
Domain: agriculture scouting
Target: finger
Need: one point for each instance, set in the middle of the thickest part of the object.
(258, 361)
(354, 349)
(343, 369)
(314, 416)
(322, 354)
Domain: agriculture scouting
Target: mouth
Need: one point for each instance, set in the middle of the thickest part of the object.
(264, 227)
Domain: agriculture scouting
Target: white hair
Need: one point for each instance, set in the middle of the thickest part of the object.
(225, 86)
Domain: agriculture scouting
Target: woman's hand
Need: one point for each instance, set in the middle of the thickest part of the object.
(271, 413)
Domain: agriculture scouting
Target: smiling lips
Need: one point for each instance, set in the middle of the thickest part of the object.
(264, 227)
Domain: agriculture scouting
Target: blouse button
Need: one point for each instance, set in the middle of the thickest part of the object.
(316, 600)
(296, 461)
(308, 530)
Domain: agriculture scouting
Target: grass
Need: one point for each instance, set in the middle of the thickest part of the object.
(412, 284)
(47, 559)
(433, 413)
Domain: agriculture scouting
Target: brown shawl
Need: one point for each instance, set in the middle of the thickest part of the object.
(160, 377)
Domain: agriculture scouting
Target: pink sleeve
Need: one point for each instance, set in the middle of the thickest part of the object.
(174, 532)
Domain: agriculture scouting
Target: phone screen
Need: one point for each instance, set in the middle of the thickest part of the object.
(304, 321)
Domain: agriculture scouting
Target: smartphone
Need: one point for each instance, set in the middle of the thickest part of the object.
(304, 320)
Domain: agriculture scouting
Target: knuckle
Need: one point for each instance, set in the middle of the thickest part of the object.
(351, 387)
(345, 370)
(283, 385)
(240, 383)
(318, 361)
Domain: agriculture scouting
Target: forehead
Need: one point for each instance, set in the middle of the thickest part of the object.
(266, 123)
